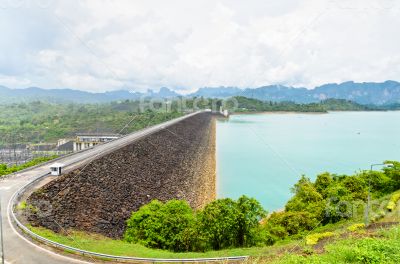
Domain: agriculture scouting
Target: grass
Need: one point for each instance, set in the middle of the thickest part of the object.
(101, 244)
(22, 205)
(382, 248)
(344, 244)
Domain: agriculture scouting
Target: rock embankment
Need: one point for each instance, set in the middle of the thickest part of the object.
(176, 162)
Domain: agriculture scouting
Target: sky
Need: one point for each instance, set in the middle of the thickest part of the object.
(103, 45)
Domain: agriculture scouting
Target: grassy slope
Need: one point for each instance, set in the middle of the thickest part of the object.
(101, 244)
(382, 246)
(363, 246)
(376, 246)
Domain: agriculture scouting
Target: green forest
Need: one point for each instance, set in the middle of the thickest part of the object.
(37, 122)
(245, 104)
(45, 122)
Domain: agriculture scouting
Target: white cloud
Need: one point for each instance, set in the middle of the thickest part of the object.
(104, 45)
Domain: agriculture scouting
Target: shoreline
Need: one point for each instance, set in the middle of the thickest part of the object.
(276, 112)
(312, 113)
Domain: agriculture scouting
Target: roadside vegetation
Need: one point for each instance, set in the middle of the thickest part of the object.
(321, 223)
(4, 169)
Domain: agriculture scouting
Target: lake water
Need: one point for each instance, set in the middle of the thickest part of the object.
(263, 155)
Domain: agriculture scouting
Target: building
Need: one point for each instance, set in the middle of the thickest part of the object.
(84, 141)
(66, 145)
(56, 169)
(61, 142)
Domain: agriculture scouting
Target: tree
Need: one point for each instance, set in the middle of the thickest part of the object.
(322, 182)
(306, 199)
(250, 214)
(165, 226)
(393, 173)
(218, 222)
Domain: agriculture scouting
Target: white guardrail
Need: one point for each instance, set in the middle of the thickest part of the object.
(16, 198)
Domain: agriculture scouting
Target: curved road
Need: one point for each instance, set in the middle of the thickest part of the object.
(18, 249)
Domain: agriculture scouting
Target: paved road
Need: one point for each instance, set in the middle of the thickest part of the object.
(17, 248)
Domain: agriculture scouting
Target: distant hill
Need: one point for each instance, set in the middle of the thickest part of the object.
(366, 93)
(245, 104)
(216, 92)
(363, 93)
(30, 94)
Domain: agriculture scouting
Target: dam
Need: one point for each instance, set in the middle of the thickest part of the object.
(177, 162)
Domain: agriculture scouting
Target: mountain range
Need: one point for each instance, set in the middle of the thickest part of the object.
(387, 92)
(8, 95)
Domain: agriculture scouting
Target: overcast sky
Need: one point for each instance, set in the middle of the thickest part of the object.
(115, 44)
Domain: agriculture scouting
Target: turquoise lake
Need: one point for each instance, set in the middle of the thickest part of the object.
(263, 155)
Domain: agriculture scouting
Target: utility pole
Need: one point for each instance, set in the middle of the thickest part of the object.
(1, 235)
(366, 216)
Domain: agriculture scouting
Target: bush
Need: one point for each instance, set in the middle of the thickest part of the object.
(366, 250)
(226, 223)
(165, 226)
(306, 199)
(393, 201)
(356, 227)
(322, 182)
(356, 186)
(339, 205)
(223, 223)
(314, 238)
(377, 251)
(290, 223)
(393, 173)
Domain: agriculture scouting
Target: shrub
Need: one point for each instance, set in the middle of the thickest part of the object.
(393, 201)
(165, 226)
(22, 205)
(322, 182)
(356, 227)
(273, 232)
(306, 199)
(393, 173)
(377, 251)
(314, 238)
(379, 215)
(356, 186)
(291, 222)
(3, 167)
(175, 226)
(339, 204)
